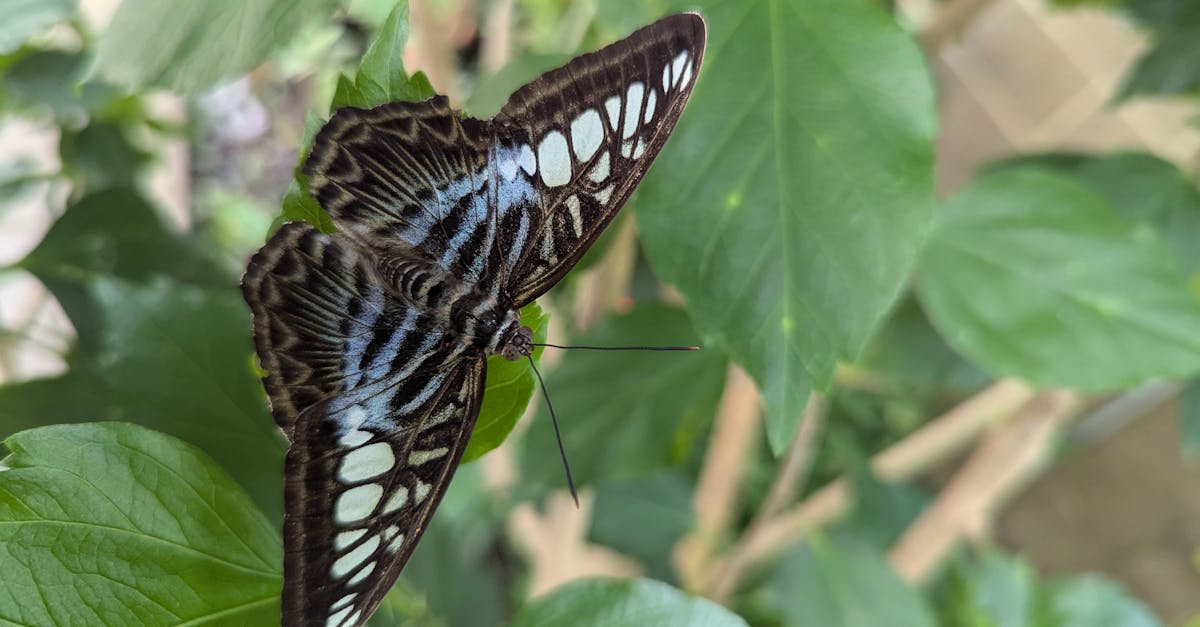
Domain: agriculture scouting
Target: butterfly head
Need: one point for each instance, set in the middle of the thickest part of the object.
(518, 343)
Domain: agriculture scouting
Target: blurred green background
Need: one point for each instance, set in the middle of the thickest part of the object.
(969, 228)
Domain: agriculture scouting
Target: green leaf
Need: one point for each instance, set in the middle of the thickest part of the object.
(177, 358)
(790, 203)
(190, 46)
(1170, 68)
(1093, 601)
(994, 590)
(625, 413)
(841, 584)
(115, 233)
(71, 397)
(48, 79)
(101, 156)
(510, 385)
(114, 524)
(298, 204)
(1189, 418)
(1034, 276)
(1143, 189)
(657, 506)
(622, 603)
(381, 76)
(26, 18)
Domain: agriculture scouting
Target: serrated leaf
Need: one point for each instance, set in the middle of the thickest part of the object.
(841, 584)
(190, 46)
(115, 524)
(622, 603)
(381, 75)
(510, 385)
(789, 204)
(628, 412)
(26, 18)
(176, 358)
(1034, 276)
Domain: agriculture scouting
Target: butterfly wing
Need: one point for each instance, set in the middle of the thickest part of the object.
(407, 179)
(593, 127)
(364, 475)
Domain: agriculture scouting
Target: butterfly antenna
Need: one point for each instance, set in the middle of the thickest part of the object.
(557, 434)
(620, 348)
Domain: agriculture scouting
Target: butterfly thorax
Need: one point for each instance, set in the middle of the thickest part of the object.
(482, 322)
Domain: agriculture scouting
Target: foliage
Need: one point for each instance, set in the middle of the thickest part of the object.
(794, 212)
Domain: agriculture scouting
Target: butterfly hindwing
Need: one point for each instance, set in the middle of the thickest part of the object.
(594, 126)
(364, 475)
(315, 301)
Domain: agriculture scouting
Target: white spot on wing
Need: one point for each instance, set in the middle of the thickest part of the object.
(587, 133)
(677, 66)
(344, 601)
(528, 163)
(416, 458)
(366, 462)
(627, 149)
(346, 538)
(554, 162)
(396, 500)
(667, 78)
(576, 217)
(338, 617)
(348, 562)
(633, 108)
(390, 532)
(613, 107)
(651, 101)
(421, 491)
(639, 149)
(354, 438)
(362, 574)
(395, 544)
(603, 195)
(507, 167)
(357, 503)
(599, 172)
(687, 75)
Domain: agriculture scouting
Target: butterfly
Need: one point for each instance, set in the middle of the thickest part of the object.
(374, 339)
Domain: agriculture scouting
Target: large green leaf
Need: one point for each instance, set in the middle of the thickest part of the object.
(24, 18)
(625, 413)
(177, 358)
(113, 524)
(658, 506)
(841, 584)
(789, 205)
(510, 385)
(190, 46)
(1034, 276)
(115, 233)
(622, 603)
(1143, 189)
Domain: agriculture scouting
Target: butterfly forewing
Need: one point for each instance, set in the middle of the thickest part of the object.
(374, 369)
(595, 125)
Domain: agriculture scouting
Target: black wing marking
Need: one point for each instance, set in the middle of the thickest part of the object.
(595, 125)
(364, 475)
